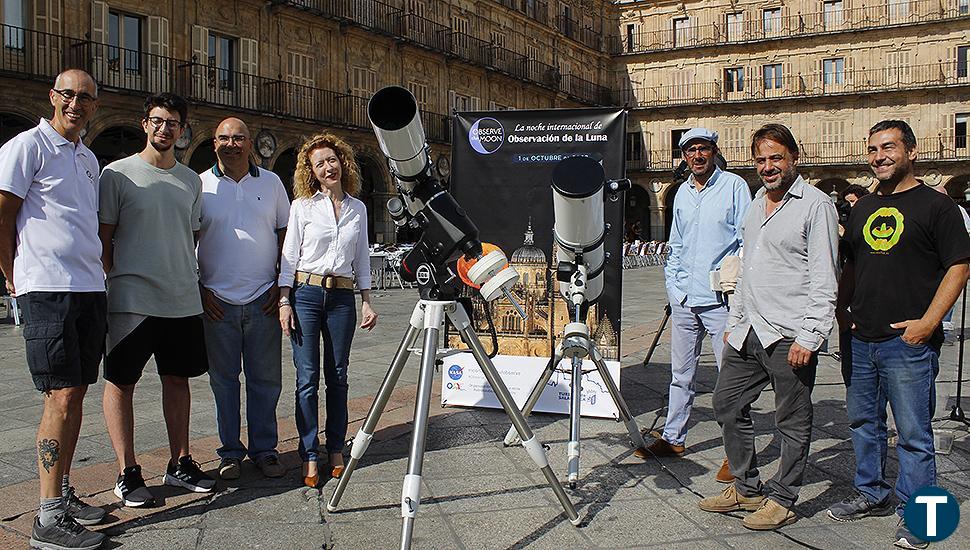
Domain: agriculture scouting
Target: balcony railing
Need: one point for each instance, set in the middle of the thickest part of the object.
(423, 32)
(572, 28)
(42, 56)
(539, 11)
(933, 75)
(943, 147)
(882, 15)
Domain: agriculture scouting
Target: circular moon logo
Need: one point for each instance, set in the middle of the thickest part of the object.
(486, 136)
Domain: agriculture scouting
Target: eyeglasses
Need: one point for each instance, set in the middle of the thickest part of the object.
(158, 122)
(69, 95)
(225, 140)
(698, 149)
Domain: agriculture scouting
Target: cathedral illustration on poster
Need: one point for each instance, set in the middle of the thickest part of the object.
(545, 307)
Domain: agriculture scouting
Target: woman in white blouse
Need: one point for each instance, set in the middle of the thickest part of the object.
(324, 250)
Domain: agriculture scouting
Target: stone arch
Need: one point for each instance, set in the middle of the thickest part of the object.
(200, 155)
(116, 142)
(283, 166)
(668, 201)
(375, 190)
(12, 123)
(637, 211)
(827, 185)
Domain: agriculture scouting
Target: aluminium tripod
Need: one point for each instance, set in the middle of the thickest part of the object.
(576, 345)
(428, 317)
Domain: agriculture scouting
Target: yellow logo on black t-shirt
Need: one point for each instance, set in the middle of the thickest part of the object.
(883, 228)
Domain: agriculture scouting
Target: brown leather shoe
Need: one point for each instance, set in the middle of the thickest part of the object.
(660, 447)
(724, 475)
(731, 501)
(770, 516)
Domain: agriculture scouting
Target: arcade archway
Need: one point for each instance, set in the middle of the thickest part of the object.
(116, 143)
(637, 214)
(284, 167)
(11, 125)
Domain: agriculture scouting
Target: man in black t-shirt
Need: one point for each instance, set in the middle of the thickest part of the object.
(907, 264)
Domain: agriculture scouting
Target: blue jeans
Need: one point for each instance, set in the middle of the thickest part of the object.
(245, 340)
(333, 315)
(903, 376)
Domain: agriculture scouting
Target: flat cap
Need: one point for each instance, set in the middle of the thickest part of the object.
(697, 133)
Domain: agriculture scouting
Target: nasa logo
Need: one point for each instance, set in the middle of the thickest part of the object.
(455, 372)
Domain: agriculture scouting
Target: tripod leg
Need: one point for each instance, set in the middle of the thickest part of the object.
(366, 432)
(459, 319)
(653, 346)
(411, 492)
(631, 425)
(512, 438)
(575, 412)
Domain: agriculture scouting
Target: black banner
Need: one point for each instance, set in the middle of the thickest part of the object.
(502, 163)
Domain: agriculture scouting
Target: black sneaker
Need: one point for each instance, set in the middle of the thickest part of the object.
(131, 489)
(905, 539)
(64, 534)
(858, 506)
(82, 512)
(188, 474)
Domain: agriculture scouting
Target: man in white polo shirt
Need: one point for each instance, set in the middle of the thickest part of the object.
(50, 255)
(244, 215)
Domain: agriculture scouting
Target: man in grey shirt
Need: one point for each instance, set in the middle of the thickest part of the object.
(149, 213)
(782, 312)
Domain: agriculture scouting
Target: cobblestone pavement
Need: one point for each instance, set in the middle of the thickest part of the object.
(475, 492)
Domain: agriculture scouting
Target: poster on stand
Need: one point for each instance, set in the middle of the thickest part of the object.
(502, 164)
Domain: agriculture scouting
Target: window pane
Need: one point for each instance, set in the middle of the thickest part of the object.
(114, 39)
(962, 61)
(13, 15)
(132, 42)
(114, 30)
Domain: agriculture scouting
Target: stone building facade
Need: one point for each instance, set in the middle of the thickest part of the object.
(828, 69)
(291, 68)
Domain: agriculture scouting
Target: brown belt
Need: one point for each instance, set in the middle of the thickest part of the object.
(326, 281)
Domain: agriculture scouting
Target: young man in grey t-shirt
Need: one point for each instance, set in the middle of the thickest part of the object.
(150, 217)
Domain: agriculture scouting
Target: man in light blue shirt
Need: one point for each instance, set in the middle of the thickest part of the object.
(708, 210)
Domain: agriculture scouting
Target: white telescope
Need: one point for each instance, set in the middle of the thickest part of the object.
(578, 192)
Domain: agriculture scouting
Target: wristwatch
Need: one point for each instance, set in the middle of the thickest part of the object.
(284, 301)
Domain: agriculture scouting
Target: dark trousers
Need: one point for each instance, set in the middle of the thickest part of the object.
(744, 374)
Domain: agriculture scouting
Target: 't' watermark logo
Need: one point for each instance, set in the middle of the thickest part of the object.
(932, 514)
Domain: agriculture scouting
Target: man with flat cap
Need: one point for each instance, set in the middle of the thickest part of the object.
(706, 229)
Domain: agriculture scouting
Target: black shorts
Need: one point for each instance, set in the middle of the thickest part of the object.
(64, 333)
(178, 345)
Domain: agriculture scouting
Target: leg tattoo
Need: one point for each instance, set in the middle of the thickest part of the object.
(48, 450)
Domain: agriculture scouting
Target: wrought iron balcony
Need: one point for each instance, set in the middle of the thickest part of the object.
(943, 147)
(572, 28)
(393, 21)
(882, 15)
(538, 11)
(42, 56)
(861, 81)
